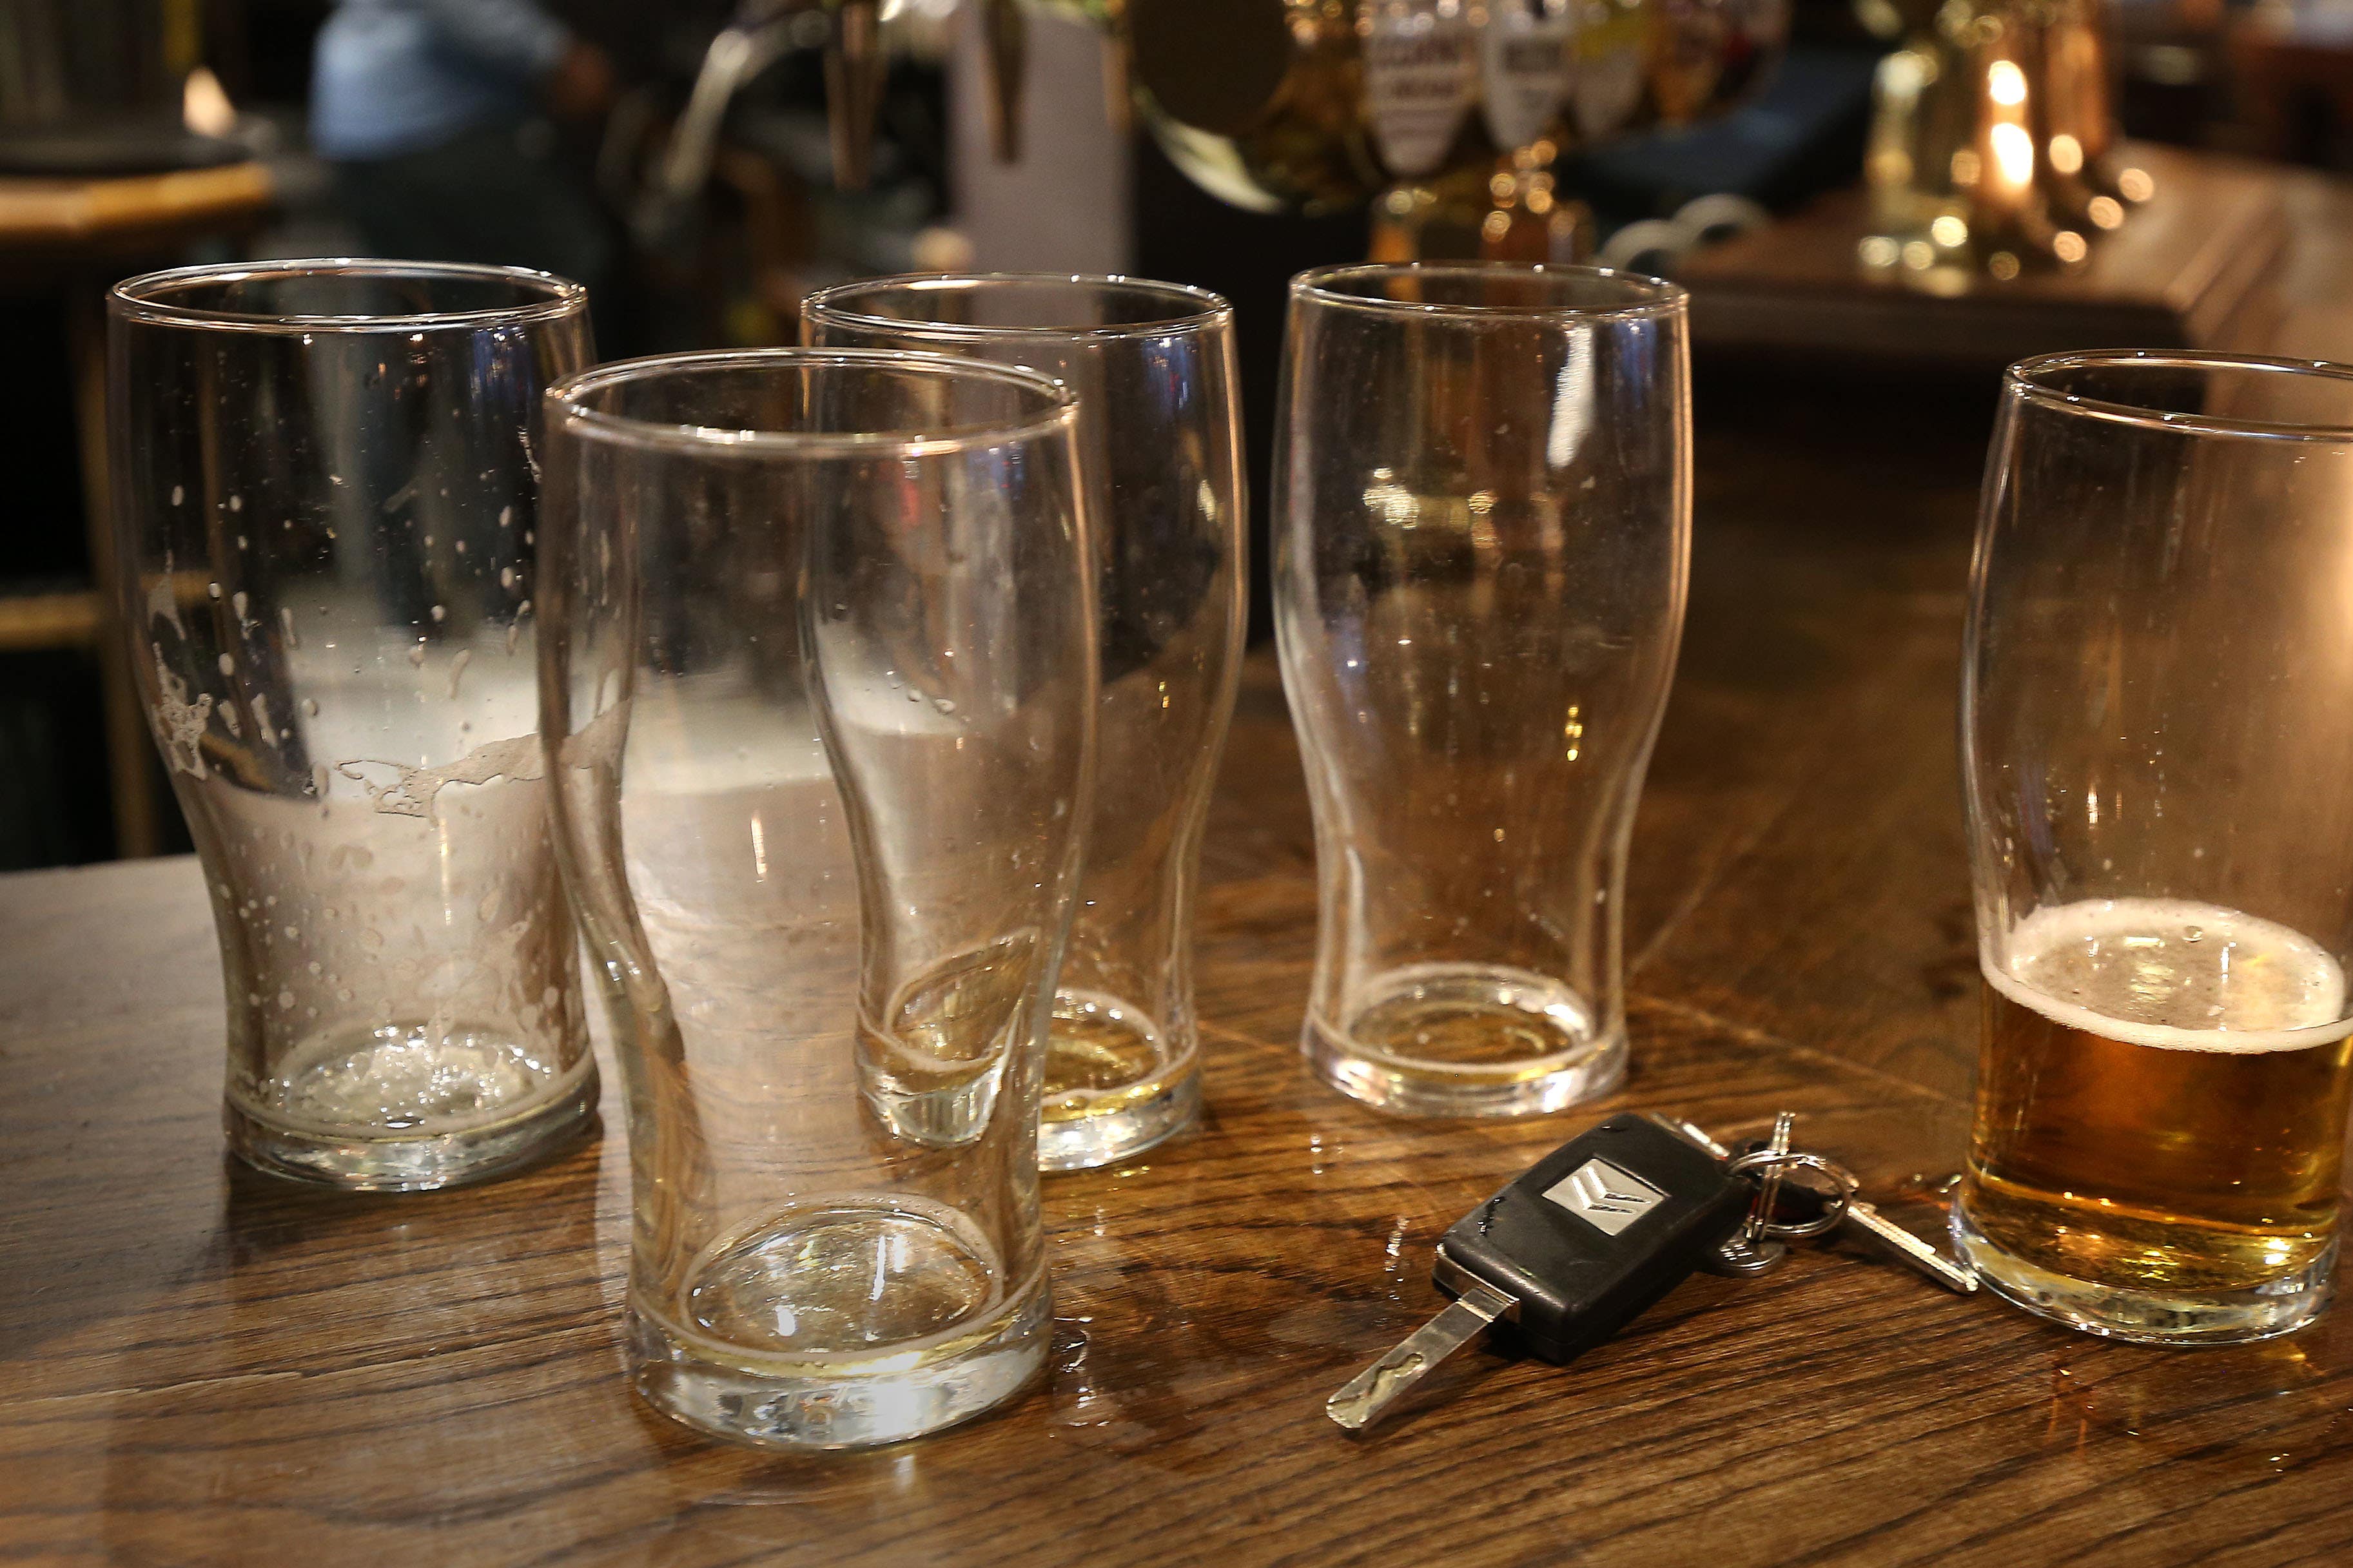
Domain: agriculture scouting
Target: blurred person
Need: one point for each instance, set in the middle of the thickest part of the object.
(430, 112)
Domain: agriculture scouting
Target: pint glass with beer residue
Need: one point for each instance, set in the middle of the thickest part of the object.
(820, 691)
(326, 489)
(1160, 442)
(1482, 529)
(2155, 732)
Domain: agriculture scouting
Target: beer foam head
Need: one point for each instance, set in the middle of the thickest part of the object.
(2174, 974)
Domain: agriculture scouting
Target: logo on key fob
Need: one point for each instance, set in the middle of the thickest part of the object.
(1605, 1195)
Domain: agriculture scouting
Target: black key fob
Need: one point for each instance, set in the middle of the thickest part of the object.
(1595, 1233)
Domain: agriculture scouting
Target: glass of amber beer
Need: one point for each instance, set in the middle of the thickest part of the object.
(2156, 725)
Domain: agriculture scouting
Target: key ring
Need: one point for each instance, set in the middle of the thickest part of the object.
(1773, 1163)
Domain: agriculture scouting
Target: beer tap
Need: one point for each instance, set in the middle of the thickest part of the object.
(856, 63)
(855, 66)
(1005, 35)
(1119, 68)
(761, 32)
(1447, 113)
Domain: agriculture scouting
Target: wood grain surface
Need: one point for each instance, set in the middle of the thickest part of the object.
(134, 212)
(199, 1365)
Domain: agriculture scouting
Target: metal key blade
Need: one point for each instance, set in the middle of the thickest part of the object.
(1907, 1247)
(1860, 1217)
(1691, 1131)
(1370, 1394)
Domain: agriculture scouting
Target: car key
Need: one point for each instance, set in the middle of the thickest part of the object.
(1749, 1255)
(1567, 1254)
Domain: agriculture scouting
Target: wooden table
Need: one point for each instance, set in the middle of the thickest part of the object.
(199, 1365)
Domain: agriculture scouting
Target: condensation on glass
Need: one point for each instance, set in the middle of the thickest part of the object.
(1482, 514)
(326, 496)
(1160, 447)
(819, 684)
(2155, 732)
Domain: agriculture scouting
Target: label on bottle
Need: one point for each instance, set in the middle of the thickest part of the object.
(1607, 79)
(1524, 56)
(1421, 71)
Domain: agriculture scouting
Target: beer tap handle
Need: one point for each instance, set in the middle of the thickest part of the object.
(1119, 70)
(855, 66)
(1005, 36)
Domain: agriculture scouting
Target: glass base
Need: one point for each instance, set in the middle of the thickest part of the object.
(1116, 1082)
(408, 1161)
(2147, 1317)
(1462, 1039)
(842, 1324)
(1105, 1137)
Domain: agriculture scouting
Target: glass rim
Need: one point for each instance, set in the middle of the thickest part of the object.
(141, 298)
(1058, 410)
(2019, 380)
(1646, 298)
(1208, 311)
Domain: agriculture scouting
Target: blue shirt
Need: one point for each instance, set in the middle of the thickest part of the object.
(393, 75)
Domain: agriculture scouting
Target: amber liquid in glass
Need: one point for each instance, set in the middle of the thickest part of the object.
(2162, 1097)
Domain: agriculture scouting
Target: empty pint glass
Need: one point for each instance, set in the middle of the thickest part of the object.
(326, 498)
(1482, 517)
(819, 686)
(2155, 732)
(1160, 447)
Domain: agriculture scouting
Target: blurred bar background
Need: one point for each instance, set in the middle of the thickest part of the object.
(680, 160)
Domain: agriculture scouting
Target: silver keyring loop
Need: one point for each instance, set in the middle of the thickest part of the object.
(1834, 1203)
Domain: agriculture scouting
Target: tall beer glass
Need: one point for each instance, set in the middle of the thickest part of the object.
(1482, 499)
(2156, 717)
(818, 683)
(327, 495)
(1160, 441)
